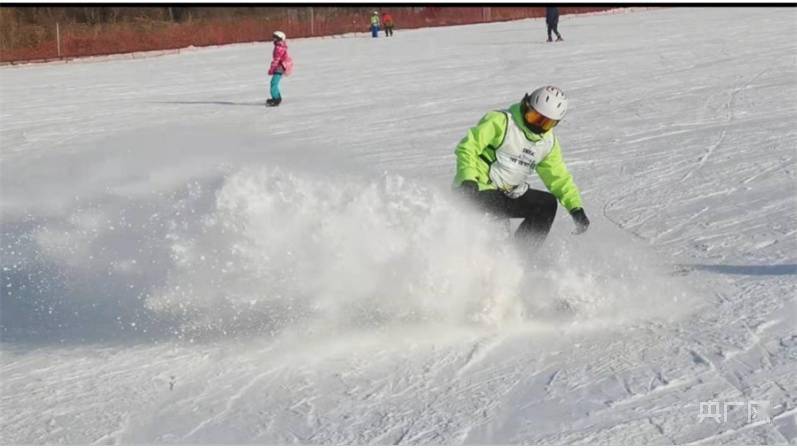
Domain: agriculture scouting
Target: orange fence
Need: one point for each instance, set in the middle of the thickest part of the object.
(76, 40)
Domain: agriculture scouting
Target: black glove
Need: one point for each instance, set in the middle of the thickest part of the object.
(580, 219)
(469, 188)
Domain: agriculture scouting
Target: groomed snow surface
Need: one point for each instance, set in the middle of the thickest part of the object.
(182, 265)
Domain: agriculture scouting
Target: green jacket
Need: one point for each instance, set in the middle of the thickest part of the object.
(476, 152)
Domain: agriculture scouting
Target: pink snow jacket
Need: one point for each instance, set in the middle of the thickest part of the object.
(281, 61)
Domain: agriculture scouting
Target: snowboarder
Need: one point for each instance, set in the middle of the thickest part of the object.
(552, 20)
(387, 23)
(497, 156)
(375, 24)
(281, 64)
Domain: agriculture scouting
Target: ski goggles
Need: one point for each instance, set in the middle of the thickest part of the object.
(539, 120)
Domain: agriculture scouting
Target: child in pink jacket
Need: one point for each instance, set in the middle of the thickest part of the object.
(281, 64)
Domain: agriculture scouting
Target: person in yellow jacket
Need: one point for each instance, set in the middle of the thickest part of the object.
(375, 24)
(498, 155)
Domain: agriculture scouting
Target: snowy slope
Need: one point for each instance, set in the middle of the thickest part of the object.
(182, 265)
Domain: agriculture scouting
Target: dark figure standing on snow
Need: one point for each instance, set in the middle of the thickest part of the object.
(497, 157)
(281, 64)
(552, 20)
(387, 23)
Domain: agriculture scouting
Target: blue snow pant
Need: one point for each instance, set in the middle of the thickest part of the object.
(374, 30)
(275, 86)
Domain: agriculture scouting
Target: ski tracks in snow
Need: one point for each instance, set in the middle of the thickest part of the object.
(684, 178)
(729, 120)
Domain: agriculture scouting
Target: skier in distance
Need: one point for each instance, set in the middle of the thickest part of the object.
(281, 64)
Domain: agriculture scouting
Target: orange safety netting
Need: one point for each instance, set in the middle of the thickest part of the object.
(83, 40)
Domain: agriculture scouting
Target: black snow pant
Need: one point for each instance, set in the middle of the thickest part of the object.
(553, 26)
(537, 208)
(388, 30)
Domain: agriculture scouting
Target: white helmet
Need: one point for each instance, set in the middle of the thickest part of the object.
(549, 101)
(279, 34)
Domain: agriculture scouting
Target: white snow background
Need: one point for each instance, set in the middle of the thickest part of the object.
(181, 264)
